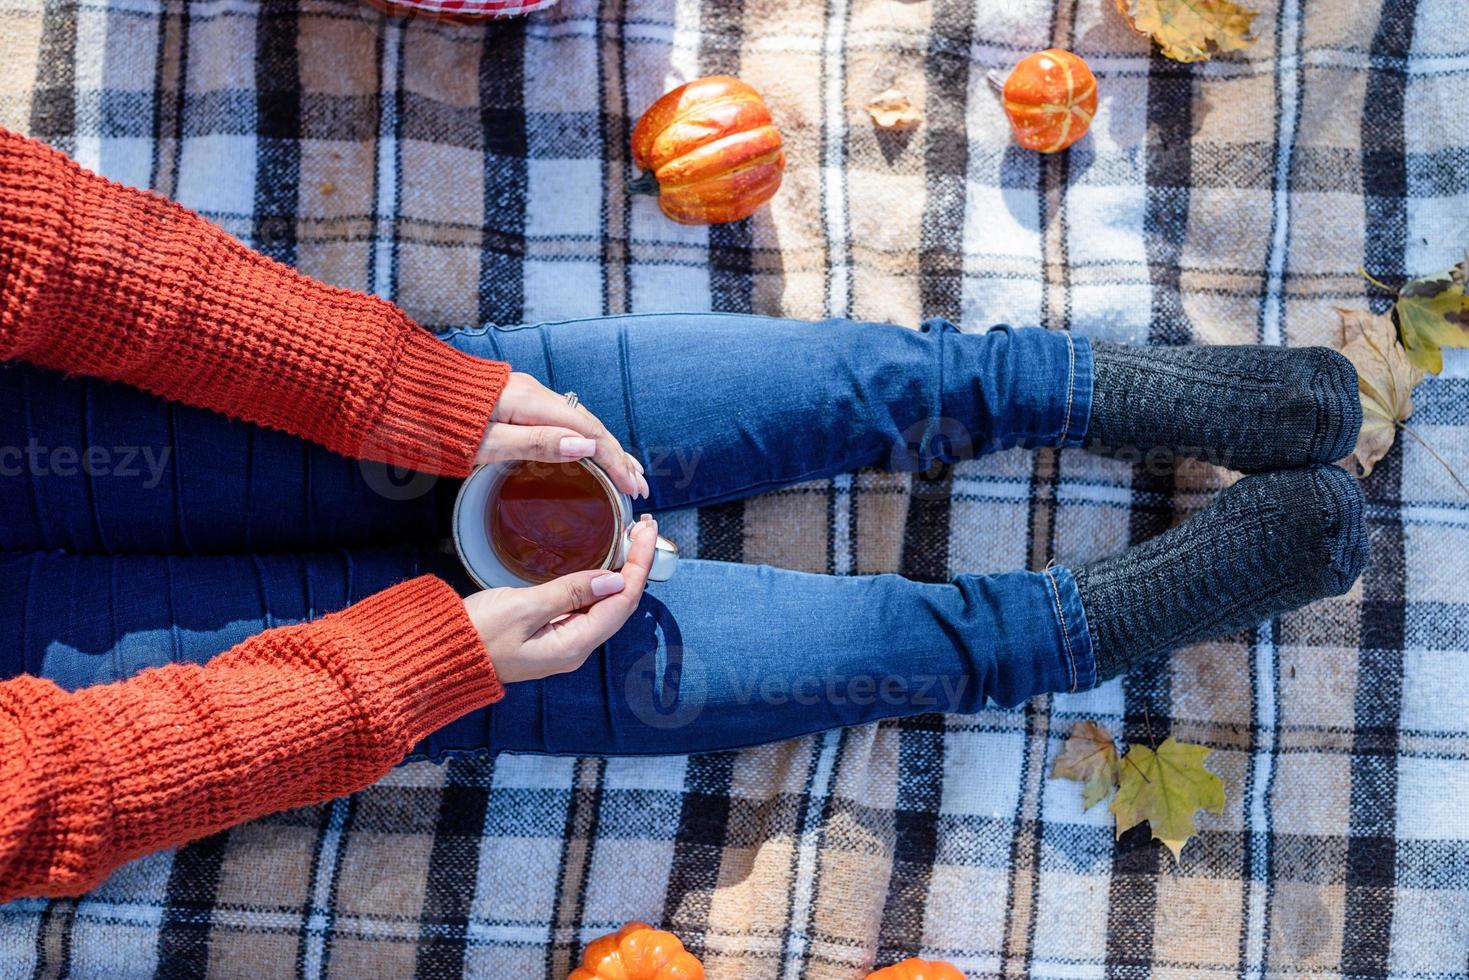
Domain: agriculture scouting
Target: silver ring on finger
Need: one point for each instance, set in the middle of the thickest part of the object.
(573, 399)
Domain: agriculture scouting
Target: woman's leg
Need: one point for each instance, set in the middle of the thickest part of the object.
(93, 619)
(716, 405)
(719, 406)
(101, 468)
(726, 655)
(722, 656)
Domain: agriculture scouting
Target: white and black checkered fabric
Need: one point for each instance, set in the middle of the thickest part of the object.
(477, 173)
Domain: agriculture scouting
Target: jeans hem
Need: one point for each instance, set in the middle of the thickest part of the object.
(1080, 375)
(1076, 641)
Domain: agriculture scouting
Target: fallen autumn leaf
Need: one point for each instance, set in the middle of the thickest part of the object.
(893, 110)
(1191, 30)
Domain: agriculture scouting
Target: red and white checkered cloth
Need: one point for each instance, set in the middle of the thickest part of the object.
(461, 10)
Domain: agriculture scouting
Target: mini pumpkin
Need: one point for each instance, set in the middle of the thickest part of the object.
(915, 969)
(709, 150)
(637, 951)
(1050, 97)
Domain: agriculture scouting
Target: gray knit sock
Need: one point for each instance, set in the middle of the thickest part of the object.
(1244, 408)
(1268, 543)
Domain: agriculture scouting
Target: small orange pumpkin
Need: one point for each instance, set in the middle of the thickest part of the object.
(637, 951)
(709, 150)
(915, 969)
(1050, 97)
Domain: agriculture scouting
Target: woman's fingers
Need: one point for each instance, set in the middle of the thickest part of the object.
(609, 455)
(569, 593)
(505, 441)
(527, 402)
(552, 628)
(573, 638)
(608, 617)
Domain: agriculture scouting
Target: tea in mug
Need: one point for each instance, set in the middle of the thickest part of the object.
(549, 519)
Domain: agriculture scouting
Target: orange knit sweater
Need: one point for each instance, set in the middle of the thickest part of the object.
(101, 280)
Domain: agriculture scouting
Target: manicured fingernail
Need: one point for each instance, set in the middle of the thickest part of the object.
(644, 482)
(607, 584)
(575, 447)
(636, 465)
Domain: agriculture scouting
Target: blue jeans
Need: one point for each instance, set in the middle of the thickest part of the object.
(136, 533)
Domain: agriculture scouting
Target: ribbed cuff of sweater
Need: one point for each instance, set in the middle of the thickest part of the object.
(293, 716)
(424, 654)
(438, 406)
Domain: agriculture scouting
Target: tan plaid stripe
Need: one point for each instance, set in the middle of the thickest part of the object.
(477, 173)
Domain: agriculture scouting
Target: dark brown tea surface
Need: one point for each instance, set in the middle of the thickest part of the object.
(549, 519)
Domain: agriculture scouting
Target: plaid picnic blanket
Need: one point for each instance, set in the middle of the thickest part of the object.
(476, 173)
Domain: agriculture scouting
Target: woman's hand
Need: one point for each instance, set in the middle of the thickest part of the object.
(530, 421)
(553, 628)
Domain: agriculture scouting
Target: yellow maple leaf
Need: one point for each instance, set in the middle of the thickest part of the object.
(1089, 757)
(1191, 30)
(1166, 788)
(1433, 313)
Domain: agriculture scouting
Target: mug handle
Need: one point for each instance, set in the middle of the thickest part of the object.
(665, 560)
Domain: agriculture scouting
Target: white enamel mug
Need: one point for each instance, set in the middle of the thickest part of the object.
(472, 539)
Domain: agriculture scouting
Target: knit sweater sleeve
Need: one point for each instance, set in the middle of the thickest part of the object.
(293, 716)
(102, 280)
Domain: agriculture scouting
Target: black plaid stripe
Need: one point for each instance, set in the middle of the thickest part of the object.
(1028, 836)
(53, 118)
(916, 832)
(193, 883)
(946, 161)
(278, 131)
(454, 867)
(1372, 852)
(614, 157)
(732, 245)
(698, 849)
(53, 103)
(54, 940)
(504, 133)
(1169, 176)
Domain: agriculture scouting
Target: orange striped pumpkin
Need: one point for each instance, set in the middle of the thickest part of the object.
(1050, 97)
(709, 150)
(637, 951)
(915, 969)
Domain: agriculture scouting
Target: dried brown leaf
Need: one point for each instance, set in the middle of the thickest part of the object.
(1089, 757)
(1385, 379)
(893, 110)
